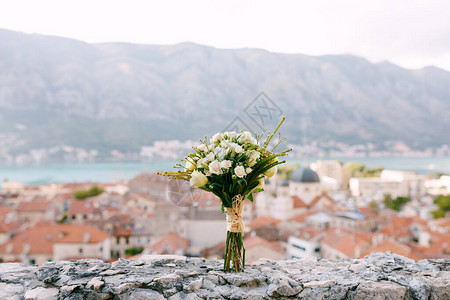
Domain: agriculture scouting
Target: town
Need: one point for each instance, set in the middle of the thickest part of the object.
(325, 210)
(172, 150)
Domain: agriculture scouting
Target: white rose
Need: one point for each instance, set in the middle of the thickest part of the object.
(215, 167)
(201, 147)
(239, 171)
(254, 141)
(202, 162)
(217, 137)
(245, 137)
(248, 170)
(221, 152)
(272, 171)
(253, 154)
(232, 135)
(238, 149)
(190, 165)
(198, 179)
(210, 156)
(224, 144)
(226, 164)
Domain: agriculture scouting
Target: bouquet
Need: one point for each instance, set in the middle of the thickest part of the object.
(232, 166)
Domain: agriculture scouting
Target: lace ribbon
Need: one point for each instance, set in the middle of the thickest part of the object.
(234, 215)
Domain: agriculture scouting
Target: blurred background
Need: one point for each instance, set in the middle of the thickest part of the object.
(95, 97)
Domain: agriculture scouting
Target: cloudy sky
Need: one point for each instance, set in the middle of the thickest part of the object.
(411, 33)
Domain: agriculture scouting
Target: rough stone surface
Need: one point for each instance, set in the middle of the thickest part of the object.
(377, 276)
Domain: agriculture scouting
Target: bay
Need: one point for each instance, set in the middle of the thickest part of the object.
(39, 174)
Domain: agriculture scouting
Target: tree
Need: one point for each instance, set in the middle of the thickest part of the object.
(444, 205)
(395, 204)
(134, 250)
(83, 194)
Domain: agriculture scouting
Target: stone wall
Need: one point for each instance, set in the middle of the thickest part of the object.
(378, 276)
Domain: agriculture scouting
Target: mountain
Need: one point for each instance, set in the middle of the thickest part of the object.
(121, 96)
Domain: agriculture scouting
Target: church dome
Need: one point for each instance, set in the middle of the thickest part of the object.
(304, 175)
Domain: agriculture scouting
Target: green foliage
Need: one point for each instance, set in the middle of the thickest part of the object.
(285, 171)
(437, 214)
(83, 194)
(444, 205)
(395, 204)
(374, 205)
(134, 250)
(63, 218)
(357, 169)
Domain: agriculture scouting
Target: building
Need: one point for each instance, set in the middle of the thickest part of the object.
(257, 247)
(305, 243)
(82, 211)
(170, 243)
(53, 242)
(34, 210)
(358, 219)
(329, 168)
(201, 221)
(339, 243)
(390, 182)
(302, 193)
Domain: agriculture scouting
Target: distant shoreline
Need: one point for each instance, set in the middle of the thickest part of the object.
(48, 173)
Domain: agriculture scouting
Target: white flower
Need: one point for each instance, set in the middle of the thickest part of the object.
(272, 171)
(261, 183)
(254, 141)
(253, 154)
(239, 171)
(248, 170)
(215, 167)
(198, 179)
(224, 144)
(245, 137)
(202, 163)
(210, 156)
(232, 135)
(221, 152)
(238, 149)
(190, 165)
(217, 137)
(226, 164)
(201, 147)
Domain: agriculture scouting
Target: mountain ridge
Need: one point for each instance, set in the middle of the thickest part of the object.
(124, 95)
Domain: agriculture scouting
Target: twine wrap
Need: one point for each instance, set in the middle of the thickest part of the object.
(234, 215)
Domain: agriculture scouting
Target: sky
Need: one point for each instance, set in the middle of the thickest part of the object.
(410, 33)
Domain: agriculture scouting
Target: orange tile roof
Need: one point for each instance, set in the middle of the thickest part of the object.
(318, 198)
(263, 221)
(40, 238)
(395, 247)
(168, 244)
(301, 218)
(33, 206)
(298, 203)
(368, 211)
(7, 227)
(308, 233)
(81, 207)
(346, 242)
(4, 211)
(396, 227)
(259, 241)
(200, 198)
